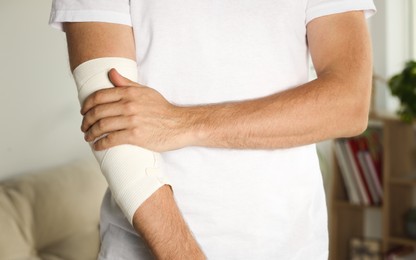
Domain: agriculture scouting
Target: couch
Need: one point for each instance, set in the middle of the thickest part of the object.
(53, 214)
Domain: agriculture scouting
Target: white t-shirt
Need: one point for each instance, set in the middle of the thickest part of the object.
(240, 204)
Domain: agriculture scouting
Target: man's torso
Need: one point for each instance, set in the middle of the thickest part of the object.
(239, 204)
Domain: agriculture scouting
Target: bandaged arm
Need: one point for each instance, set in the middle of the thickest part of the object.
(133, 173)
(158, 220)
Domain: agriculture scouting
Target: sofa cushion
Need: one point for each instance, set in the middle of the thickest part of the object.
(52, 214)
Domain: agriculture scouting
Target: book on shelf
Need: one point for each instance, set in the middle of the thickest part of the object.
(372, 146)
(365, 249)
(349, 184)
(352, 152)
(367, 163)
(370, 177)
(359, 160)
(376, 180)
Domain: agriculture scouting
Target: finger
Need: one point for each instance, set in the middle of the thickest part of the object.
(118, 80)
(107, 125)
(113, 139)
(102, 111)
(102, 96)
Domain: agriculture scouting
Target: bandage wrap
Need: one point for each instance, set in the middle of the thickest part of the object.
(133, 173)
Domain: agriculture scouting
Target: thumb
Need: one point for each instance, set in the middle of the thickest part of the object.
(117, 79)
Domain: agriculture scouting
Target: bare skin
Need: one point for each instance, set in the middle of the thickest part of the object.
(336, 104)
(158, 219)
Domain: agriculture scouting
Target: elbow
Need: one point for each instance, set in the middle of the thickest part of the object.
(358, 124)
(357, 113)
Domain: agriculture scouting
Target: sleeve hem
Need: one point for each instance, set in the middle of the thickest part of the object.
(57, 18)
(337, 7)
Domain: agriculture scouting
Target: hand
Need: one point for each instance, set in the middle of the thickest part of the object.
(133, 114)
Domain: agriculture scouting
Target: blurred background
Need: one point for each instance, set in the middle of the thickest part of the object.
(39, 109)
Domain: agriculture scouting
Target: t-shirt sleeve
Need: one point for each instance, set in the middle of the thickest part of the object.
(317, 8)
(116, 11)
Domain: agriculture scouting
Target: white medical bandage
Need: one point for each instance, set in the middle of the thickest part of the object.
(132, 172)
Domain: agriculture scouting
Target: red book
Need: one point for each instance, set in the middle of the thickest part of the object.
(377, 154)
(353, 144)
(370, 176)
(356, 174)
(372, 147)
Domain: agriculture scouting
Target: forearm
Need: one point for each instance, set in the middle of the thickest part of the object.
(321, 109)
(160, 215)
(336, 104)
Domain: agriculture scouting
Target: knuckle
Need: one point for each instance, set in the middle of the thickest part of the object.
(118, 91)
(100, 124)
(91, 132)
(135, 132)
(130, 107)
(85, 126)
(94, 112)
(133, 120)
(130, 91)
(97, 97)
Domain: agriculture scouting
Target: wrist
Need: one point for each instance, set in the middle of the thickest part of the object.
(193, 127)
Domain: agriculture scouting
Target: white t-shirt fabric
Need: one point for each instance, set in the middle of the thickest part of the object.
(240, 204)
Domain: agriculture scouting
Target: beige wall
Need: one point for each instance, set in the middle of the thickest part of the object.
(39, 116)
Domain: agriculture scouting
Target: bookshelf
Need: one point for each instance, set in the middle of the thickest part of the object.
(347, 220)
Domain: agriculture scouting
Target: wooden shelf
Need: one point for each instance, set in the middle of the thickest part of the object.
(405, 180)
(346, 204)
(348, 220)
(402, 241)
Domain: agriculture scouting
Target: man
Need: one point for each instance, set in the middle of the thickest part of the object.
(223, 95)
